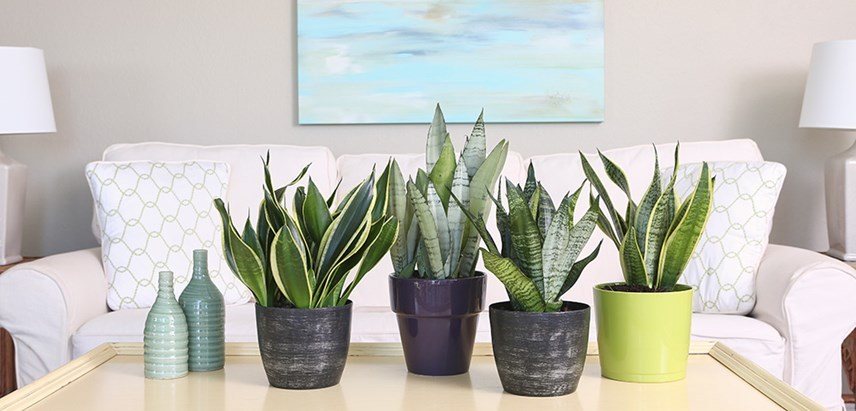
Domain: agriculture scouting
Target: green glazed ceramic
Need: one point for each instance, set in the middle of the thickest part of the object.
(643, 337)
(203, 306)
(165, 335)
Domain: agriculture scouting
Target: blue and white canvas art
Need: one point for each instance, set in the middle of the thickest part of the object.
(379, 61)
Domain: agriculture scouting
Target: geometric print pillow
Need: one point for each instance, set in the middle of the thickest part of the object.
(152, 216)
(723, 266)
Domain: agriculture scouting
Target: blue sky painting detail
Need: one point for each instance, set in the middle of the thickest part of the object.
(379, 61)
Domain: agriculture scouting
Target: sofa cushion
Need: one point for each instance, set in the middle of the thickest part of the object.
(560, 173)
(752, 338)
(153, 215)
(245, 182)
(723, 265)
(373, 290)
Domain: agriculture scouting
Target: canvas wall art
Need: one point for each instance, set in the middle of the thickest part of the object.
(379, 61)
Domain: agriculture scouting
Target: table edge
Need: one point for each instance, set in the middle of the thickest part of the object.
(773, 388)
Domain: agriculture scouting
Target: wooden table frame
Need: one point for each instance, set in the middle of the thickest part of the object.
(775, 389)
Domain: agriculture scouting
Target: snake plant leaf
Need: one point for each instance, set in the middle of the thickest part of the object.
(422, 181)
(475, 148)
(478, 223)
(443, 172)
(332, 198)
(546, 210)
(288, 264)
(682, 241)
(618, 222)
(534, 202)
(397, 207)
(373, 254)
(531, 183)
(346, 199)
(437, 136)
(337, 237)
(577, 270)
(251, 239)
(563, 244)
(241, 258)
(381, 193)
(572, 206)
(316, 213)
(523, 289)
(274, 213)
(525, 236)
(646, 206)
(354, 254)
(502, 226)
(656, 231)
(615, 173)
(440, 221)
(428, 228)
(631, 260)
(280, 192)
(481, 184)
(298, 202)
(457, 218)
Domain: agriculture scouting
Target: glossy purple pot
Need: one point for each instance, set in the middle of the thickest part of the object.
(437, 321)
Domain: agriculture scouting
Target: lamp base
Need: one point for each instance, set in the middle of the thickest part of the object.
(841, 204)
(13, 186)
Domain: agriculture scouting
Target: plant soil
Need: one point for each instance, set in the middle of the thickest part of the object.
(633, 288)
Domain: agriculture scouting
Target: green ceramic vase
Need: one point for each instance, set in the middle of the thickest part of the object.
(165, 335)
(206, 316)
(643, 337)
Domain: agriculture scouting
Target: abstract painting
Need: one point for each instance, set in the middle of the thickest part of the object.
(384, 61)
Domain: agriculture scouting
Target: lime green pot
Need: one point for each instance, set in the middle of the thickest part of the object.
(643, 337)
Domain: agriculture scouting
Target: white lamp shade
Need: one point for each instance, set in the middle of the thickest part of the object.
(830, 91)
(25, 98)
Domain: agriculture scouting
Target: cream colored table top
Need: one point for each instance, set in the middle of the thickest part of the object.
(111, 378)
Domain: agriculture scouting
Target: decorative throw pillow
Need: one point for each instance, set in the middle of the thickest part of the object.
(725, 262)
(152, 216)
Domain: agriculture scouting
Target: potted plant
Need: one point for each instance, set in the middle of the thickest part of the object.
(435, 291)
(539, 340)
(296, 263)
(643, 323)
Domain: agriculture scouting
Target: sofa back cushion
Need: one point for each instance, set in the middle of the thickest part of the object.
(245, 162)
(560, 173)
(373, 290)
(153, 215)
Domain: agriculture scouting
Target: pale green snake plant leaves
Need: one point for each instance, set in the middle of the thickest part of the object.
(435, 239)
(540, 245)
(302, 256)
(656, 237)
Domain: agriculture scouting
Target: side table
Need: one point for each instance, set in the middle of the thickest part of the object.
(8, 382)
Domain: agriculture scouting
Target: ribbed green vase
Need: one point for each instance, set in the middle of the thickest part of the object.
(165, 335)
(203, 306)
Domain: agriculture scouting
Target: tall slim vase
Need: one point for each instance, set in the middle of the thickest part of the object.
(206, 316)
(165, 335)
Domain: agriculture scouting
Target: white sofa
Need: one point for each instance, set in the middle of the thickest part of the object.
(55, 307)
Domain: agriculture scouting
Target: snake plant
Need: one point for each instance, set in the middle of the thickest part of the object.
(302, 257)
(434, 238)
(656, 237)
(540, 245)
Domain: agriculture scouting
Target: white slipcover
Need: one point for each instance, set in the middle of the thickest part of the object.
(55, 307)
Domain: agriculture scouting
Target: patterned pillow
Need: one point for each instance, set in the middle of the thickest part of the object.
(152, 216)
(725, 262)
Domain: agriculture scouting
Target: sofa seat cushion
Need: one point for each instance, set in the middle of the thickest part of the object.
(752, 338)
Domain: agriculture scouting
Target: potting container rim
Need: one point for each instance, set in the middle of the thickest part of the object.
(679, 288)
(319, 309)
(578, 307)
(477, 275)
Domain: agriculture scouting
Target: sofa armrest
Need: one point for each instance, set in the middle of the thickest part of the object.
(42, 303)
(808, 297)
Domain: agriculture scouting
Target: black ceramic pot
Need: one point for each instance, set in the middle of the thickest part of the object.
(540, 354)
(437, 321)
(304, 348)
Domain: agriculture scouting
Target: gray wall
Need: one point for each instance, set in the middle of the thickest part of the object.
(222, 71)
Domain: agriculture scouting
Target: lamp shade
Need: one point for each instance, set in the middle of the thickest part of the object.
(830, 90)
(25, 98)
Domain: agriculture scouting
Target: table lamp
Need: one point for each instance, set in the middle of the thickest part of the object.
(830, 102)
(25, 108)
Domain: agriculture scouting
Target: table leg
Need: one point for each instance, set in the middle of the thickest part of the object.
(7, 363)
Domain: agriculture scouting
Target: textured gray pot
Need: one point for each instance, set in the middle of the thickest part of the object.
(540, 354)
(304, 348)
